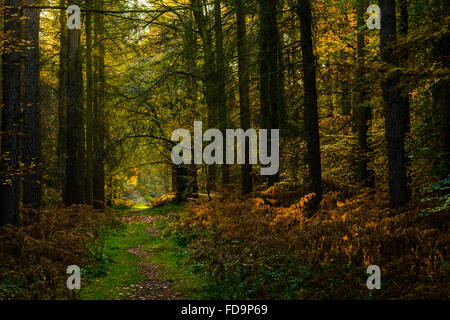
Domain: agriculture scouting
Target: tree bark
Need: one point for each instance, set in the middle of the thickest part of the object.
(395, 116)
(190, 57)
(75, 144)
(180, 180)
(99, 122)
(221, 84)
(270, 70)
(363, 110)
(244, 90)
(345, 96)
(9, 179)
(311, 117)
(32, 188)
(209, 78)
(445, 106)
(62, 101)
(403, 31)
(89, 111)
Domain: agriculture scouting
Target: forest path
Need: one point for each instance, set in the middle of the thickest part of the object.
(144, 260)
(155, 287)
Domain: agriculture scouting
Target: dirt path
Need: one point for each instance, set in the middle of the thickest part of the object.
(154, 288)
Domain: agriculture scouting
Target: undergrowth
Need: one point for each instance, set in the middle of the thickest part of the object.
(121, 269)
(122, 272)
(267, 248)
(34, 257)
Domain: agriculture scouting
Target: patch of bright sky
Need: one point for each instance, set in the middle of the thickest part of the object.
(145, 3)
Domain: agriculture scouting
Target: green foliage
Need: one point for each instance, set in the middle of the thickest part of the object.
(120, 270)
(439, 196)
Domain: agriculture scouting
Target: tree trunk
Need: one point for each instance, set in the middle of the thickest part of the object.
(99, 122)
(345, 96)
(180, 180)
(445, 107)
(311, 117)
(190, 57)
(89, 111)
(405, 104)
(395, 116)
(363, 110)
(32, 188)
(75, 163)
(62, 101)
(270, 70)
(221, 84)
(244, 90)
(9, 179)
(209, 78)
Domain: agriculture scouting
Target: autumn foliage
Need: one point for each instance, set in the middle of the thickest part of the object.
(34, 256)
(275, 251)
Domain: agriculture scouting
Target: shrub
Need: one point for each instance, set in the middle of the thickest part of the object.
(253, 249)
(34, 257)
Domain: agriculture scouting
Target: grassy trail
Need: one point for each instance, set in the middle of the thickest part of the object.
(142, 260)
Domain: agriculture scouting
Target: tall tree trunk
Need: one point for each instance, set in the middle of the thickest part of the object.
(75, 164)
(190, 57)
(345, 97)
(403, 31)
(221, 84)
(270, 70)
(311, 117)
(395, 116)
(99, 121)
(445, 106)
(244, 90)
(32, 188)
(282, 103)
(363, 110)
(209, 77)
(405, 104)
(9, 179)
(62, 101)
(89, 111)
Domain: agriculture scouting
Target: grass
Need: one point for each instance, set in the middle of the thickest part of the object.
(119, 269)
(167, 252)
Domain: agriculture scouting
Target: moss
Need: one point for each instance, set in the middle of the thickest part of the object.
(122, 269)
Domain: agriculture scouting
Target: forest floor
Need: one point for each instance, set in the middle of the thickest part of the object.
(142, 261)
(232, 249)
